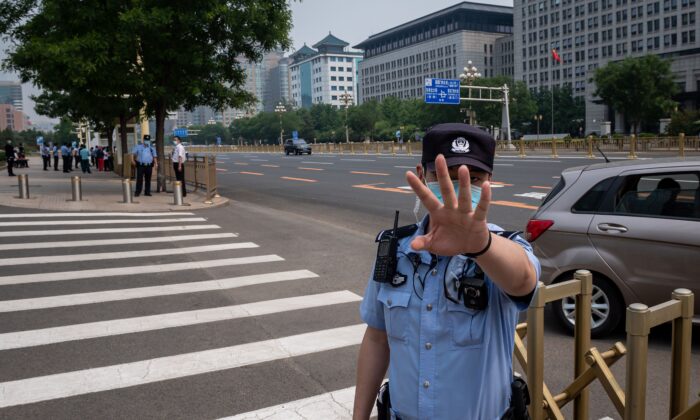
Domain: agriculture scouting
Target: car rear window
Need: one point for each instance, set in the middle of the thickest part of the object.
(556, 190)
(590, 201)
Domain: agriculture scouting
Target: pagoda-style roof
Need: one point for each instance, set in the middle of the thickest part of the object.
(303, 53)
(331, 41)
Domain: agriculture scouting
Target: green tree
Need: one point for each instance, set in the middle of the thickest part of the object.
(639, 88)
(685, 121)
(63, 131)
(362, 118)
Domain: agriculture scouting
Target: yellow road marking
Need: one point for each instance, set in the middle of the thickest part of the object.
(298, 179)
(369, 173)
(501, 183)
(375, 188)
(311, 169)
(540, 187)
(514, 204)
(251, 173)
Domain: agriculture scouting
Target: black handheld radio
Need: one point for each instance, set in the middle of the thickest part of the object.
(385, 266)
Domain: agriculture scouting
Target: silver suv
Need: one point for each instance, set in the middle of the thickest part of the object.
(634, 224)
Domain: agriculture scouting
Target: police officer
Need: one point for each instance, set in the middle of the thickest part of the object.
(443, 323)
(67, 158)
(145, 159)
(54, 151)
(46, 156)
(10, 157)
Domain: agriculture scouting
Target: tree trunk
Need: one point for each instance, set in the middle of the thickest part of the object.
(160, 145)
(124, 148)
(110, 138)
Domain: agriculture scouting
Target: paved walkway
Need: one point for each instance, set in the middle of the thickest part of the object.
(102, 191)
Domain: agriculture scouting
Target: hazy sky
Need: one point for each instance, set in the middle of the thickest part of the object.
(352, 21)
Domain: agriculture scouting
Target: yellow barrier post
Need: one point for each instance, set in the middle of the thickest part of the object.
(680, 353)
(582, 337)
(352, 148)
(364, 147)
(554, 148)
(590, 147)
(410, 152)
(535, 354)
(681, 145)
(393, 148)
(522, 148)
(633, 146)
(379, 152)
(637, 351)
(340, 147)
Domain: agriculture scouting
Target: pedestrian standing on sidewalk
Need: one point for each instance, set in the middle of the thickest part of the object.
(10, 157)
(107, 159)
(46, 156)
(67, 158)
(54, 151)
(76, 155)
(179, 158)
(100, 157)
(145, 158)
(85, 159)
(92, 157)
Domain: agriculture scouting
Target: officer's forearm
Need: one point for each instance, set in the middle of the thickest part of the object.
(371, 368)
(506, 263)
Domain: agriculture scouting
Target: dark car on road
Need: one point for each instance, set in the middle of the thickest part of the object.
(634, 224)
(296, 147)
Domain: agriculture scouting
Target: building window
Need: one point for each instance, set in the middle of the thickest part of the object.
(334, 98)
(332, 68)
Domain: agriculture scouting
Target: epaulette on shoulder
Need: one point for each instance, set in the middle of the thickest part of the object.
(401, 232)
(507, 233)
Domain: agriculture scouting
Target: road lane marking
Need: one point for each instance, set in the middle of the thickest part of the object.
(85, 331)
(271, 166)
(369, 173)
(221, 170)
(535, 195)
(101, 222)
(530, 160)
(359, 160)
(240, 163)
(52, 259)
(387, 189)
(102, 273)
(251, 173)
(405, 167)
(556, 177)
(259, 160)
(540, 187)
(503, 164)
(58, 232)
(81, 382)
(105, 214)
(289, 178)
(513, 204)
(310, 169)
(318, 163)
(330, 405)
(90, 298)
(500, 184)
(125, 241)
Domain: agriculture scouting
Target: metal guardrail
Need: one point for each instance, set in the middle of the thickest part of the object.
(200, 173)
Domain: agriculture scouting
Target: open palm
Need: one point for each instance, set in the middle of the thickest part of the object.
(455, 228)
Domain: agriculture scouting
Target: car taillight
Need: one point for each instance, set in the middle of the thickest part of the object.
(535, 228)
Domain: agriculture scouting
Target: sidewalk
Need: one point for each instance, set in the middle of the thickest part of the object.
(102, 191)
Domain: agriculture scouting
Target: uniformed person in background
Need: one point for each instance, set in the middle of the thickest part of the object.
(145, 158)
(10, 157)
(54, 151)
(179, 157)
(444, 323)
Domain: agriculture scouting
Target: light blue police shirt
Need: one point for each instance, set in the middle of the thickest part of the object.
(446, 361)
(141, 154)
(65, 151)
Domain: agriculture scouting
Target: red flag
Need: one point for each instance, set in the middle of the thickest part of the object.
(555, 55)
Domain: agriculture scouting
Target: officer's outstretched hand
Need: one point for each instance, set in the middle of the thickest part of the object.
(455, 228)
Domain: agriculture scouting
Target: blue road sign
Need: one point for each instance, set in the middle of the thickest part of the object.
(398, 134)
(442, 91)
(218, 141)
(295, 135)
(40, 140)
(180, 132)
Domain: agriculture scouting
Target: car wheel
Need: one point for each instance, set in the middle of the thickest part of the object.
(607, 309)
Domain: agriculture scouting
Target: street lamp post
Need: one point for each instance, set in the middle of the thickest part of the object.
(281, 109)
(538, 118)
(470, 74)
(346, 98)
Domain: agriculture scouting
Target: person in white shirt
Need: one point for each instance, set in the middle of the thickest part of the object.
(179, 157)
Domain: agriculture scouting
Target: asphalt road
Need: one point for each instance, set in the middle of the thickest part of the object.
(263, 314)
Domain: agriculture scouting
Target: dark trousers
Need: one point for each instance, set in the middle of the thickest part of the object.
(67, 163)
(180, 176)
(85, 165)
(47, 162)
(55, 163)
(10, 165)
(77, 161)
(143, 172)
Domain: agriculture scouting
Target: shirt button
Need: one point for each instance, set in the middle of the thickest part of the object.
(426, 384)
(429, 307)
(428, 346)
(388, 302)
(434, 272)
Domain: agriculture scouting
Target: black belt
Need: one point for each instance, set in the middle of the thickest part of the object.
(145, 164)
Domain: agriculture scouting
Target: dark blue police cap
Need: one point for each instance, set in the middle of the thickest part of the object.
(461, 144)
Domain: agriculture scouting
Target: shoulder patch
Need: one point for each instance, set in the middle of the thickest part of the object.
(402, 232)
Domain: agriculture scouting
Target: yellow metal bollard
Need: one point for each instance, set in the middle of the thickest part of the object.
(352, 148)
(379, 152)
(590, 147)
(633, 147)
(681, 145)
(554, 148)
(393, 148)
(637, 352)
(364, 147)
(680, 353)
(522, 148)
(582, 337)
(410, 152)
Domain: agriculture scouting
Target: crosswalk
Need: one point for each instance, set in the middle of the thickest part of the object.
(148, 320)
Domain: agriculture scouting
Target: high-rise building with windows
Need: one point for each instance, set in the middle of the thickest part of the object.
(397, 61)
(322, 75)
(589, 34)
(11, 94)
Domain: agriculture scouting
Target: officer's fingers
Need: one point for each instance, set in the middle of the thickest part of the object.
(420, 243)
(465, 194)
(426, 196)
(446, 187)
(482, 208)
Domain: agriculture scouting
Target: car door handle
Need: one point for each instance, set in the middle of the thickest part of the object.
(612, 227)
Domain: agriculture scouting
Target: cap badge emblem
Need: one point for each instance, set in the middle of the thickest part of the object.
(460, 145)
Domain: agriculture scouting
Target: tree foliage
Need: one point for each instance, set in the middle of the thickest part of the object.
(639, 88)
(685, 121)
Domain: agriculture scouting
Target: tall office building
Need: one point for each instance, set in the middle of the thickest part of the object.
(12, 118)
(322, 75)
(11, 94)
(397, 61)
(590, 34)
